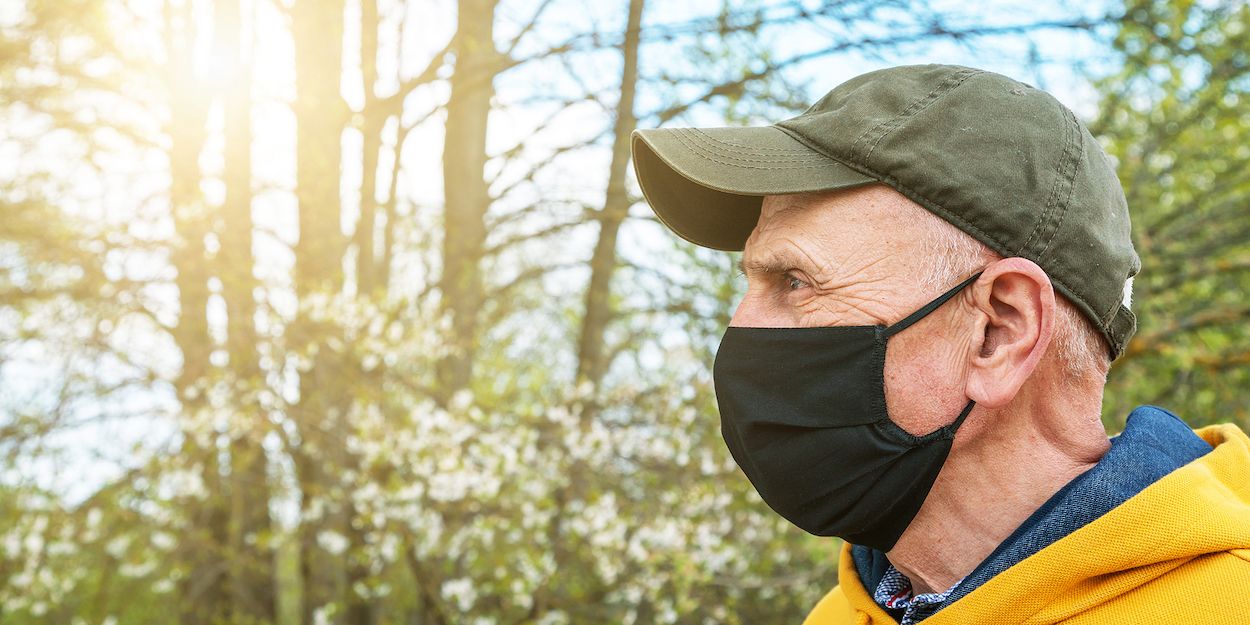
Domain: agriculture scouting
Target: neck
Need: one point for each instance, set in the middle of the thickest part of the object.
(998, 473)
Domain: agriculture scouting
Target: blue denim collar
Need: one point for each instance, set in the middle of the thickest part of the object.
(1155, 442)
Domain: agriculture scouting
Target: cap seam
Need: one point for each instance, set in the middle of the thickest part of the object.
(1079, 154)
(945, 88)
(937, 94)
(871, 129)
(1053, 196)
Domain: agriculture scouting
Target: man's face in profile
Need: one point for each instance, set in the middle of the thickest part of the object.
(857, 257)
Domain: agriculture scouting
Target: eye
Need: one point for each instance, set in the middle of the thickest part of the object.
(794, 282)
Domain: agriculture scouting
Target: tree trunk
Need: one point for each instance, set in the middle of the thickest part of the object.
(466, 197)
(374, 118)
(253, 595)
(202, 593)
(320, 115)
(592, 362)
(360, 609)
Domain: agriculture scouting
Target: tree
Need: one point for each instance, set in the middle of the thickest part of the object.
(1173, 118)
(366, 399)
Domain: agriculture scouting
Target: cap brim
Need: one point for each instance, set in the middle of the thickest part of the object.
(706, 184)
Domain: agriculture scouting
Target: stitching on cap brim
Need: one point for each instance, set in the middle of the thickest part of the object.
(733, 165)
(751, 167)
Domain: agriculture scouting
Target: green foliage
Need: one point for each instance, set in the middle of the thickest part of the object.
(1176, 118)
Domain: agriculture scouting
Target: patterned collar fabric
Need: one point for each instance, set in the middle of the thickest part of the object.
(894, 593)
(1155, 442)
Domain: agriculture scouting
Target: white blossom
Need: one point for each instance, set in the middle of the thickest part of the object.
(332, 541)
(460, 592)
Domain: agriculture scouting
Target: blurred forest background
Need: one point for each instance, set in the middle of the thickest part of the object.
(349, 311)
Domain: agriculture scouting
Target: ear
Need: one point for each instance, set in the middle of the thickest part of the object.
(1018, 303)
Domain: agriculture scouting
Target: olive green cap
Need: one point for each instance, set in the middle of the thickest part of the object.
(1002, 161)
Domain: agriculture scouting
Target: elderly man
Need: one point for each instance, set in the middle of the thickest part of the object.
(939, 267)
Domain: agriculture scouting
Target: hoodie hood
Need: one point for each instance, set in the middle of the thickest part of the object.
(1200, 509)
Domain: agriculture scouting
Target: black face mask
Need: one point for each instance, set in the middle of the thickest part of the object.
(803, 413)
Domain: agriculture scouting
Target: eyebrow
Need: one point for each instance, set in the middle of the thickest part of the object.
(769, 264)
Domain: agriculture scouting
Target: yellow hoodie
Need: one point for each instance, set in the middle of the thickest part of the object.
(1178, 552)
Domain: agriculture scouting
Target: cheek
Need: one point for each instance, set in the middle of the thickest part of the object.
(758, 310)
(922, 392)
(764, 309)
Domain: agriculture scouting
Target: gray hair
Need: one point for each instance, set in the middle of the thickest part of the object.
(1077, 345)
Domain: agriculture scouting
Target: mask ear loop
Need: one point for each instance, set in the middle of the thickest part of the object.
(946, 431)
(954, 427)
(930, 307)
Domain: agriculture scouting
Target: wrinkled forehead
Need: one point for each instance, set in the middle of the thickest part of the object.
(868, 205)
(871, 227)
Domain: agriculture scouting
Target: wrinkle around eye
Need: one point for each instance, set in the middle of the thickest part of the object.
(839, 310)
